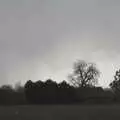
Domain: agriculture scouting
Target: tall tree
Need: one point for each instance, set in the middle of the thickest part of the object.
(84, 74)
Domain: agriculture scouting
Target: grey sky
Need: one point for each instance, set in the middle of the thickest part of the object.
(42, 38)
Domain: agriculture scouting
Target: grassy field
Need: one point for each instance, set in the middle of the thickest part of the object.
(61, 112)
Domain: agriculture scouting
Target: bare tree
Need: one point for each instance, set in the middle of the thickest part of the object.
(84, 74)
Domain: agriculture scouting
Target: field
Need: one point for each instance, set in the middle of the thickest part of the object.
(61, 112)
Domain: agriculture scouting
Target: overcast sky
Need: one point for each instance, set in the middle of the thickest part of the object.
(42, 38)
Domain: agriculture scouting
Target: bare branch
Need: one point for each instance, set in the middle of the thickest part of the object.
(84, 74)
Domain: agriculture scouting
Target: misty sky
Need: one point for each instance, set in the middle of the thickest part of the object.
(41, 39)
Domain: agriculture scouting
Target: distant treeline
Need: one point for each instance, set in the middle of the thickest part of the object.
(79, 90)
(50, 92)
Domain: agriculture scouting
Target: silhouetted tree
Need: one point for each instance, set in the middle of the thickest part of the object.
(84, 74)
(11, 96)
(49, 92)
(66, 93)
(30, 91)
(115, 84)
(6, 95)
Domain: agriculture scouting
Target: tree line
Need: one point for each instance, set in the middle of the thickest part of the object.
(79, 89)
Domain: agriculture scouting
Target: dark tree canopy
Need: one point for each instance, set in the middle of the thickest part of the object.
(49, 92)
(84, 74)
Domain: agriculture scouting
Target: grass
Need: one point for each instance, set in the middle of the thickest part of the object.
(60, 112)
